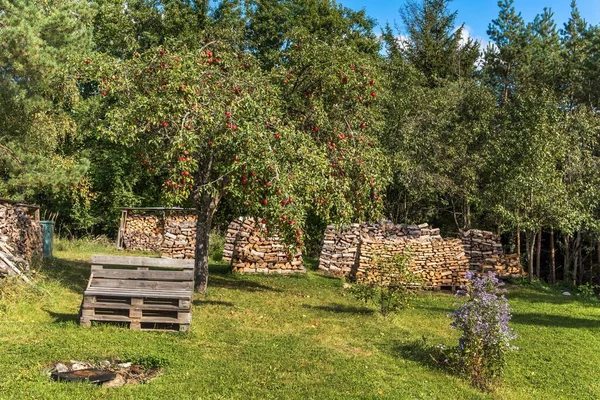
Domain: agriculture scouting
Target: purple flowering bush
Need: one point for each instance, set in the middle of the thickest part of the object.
(483, 322)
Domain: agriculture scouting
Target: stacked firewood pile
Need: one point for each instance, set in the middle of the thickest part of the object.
(437, 262)
(143, 232)
(231, 238)
(21, 232)
(480, 245)
(503, 265)
(485, 254)
(251, 252)
(179, 236)
(340, 251)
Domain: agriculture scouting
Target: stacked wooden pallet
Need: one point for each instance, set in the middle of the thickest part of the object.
(20, 230)
(143, 232)
(438, 262)
(141, 293)
(253, 252)
(179, 236)
(480, 245)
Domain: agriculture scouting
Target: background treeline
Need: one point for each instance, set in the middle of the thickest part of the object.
(504, 138)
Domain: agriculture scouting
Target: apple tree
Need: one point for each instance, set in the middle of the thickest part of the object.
(213, 124)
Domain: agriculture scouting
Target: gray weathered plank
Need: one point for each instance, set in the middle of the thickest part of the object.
(140, 284)
(187, 275)
(179, 294)
(143, 261)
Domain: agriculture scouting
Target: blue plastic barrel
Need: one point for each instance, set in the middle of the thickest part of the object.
(47, 237)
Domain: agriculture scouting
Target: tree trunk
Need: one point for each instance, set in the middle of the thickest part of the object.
(530, 245)
(205, 209)
(538, 255)
(598, 259)
(552, 258)
(580, 257)
(566, 263)
(519, 245)
(576, 254)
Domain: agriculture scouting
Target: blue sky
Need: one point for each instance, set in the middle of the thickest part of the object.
(479, 13)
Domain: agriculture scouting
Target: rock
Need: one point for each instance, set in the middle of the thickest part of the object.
(79, 365)
(124, 365)
(566, 293)
(104, 364)
(117, 382)
(60, 367)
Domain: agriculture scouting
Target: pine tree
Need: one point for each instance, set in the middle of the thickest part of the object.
(434, 45)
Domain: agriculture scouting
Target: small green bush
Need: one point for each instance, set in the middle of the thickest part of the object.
(216, 243)
(392, 288)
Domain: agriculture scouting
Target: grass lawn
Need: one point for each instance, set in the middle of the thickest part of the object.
(288, 337)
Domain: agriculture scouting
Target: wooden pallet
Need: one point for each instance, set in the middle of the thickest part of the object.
(140, 293)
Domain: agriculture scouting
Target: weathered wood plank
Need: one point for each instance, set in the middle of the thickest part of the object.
(143, 261)
(118, 292)
(140, 284)
(187, 275)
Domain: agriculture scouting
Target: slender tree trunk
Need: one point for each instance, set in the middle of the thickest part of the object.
(519, 244)
(580, 257)
(538, 255)
(552, 258)
(598, 259)
(530, 245)
(566, 260)
(205, 209)
(576, 254)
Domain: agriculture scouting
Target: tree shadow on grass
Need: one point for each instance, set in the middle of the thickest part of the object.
(535, 295)
(63, 317)
(418, 351)
(555, 321)
(213, 303)
(73, 275)
(340, 308)
(231, 282)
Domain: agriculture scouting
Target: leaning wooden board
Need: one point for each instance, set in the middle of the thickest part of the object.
(143, 293)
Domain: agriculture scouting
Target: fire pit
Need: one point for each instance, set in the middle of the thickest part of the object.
(107, 373)
(91, 375)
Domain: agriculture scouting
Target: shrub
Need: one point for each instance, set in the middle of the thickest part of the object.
(216, 243)
(588, 291)
(483, 321)
(392, 288)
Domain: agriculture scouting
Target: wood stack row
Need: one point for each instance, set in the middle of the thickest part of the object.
(21, 231)
(480, 245)
(438, 262)
(340, 252)
(179, 236)
(252, 252)
(231, 237)
(143, 232)
(503, 265)
(340, 249)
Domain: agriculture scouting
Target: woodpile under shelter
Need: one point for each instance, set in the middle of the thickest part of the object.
(20, 236)
(170, 231)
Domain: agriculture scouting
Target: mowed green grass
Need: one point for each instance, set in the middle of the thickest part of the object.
(289, 337)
